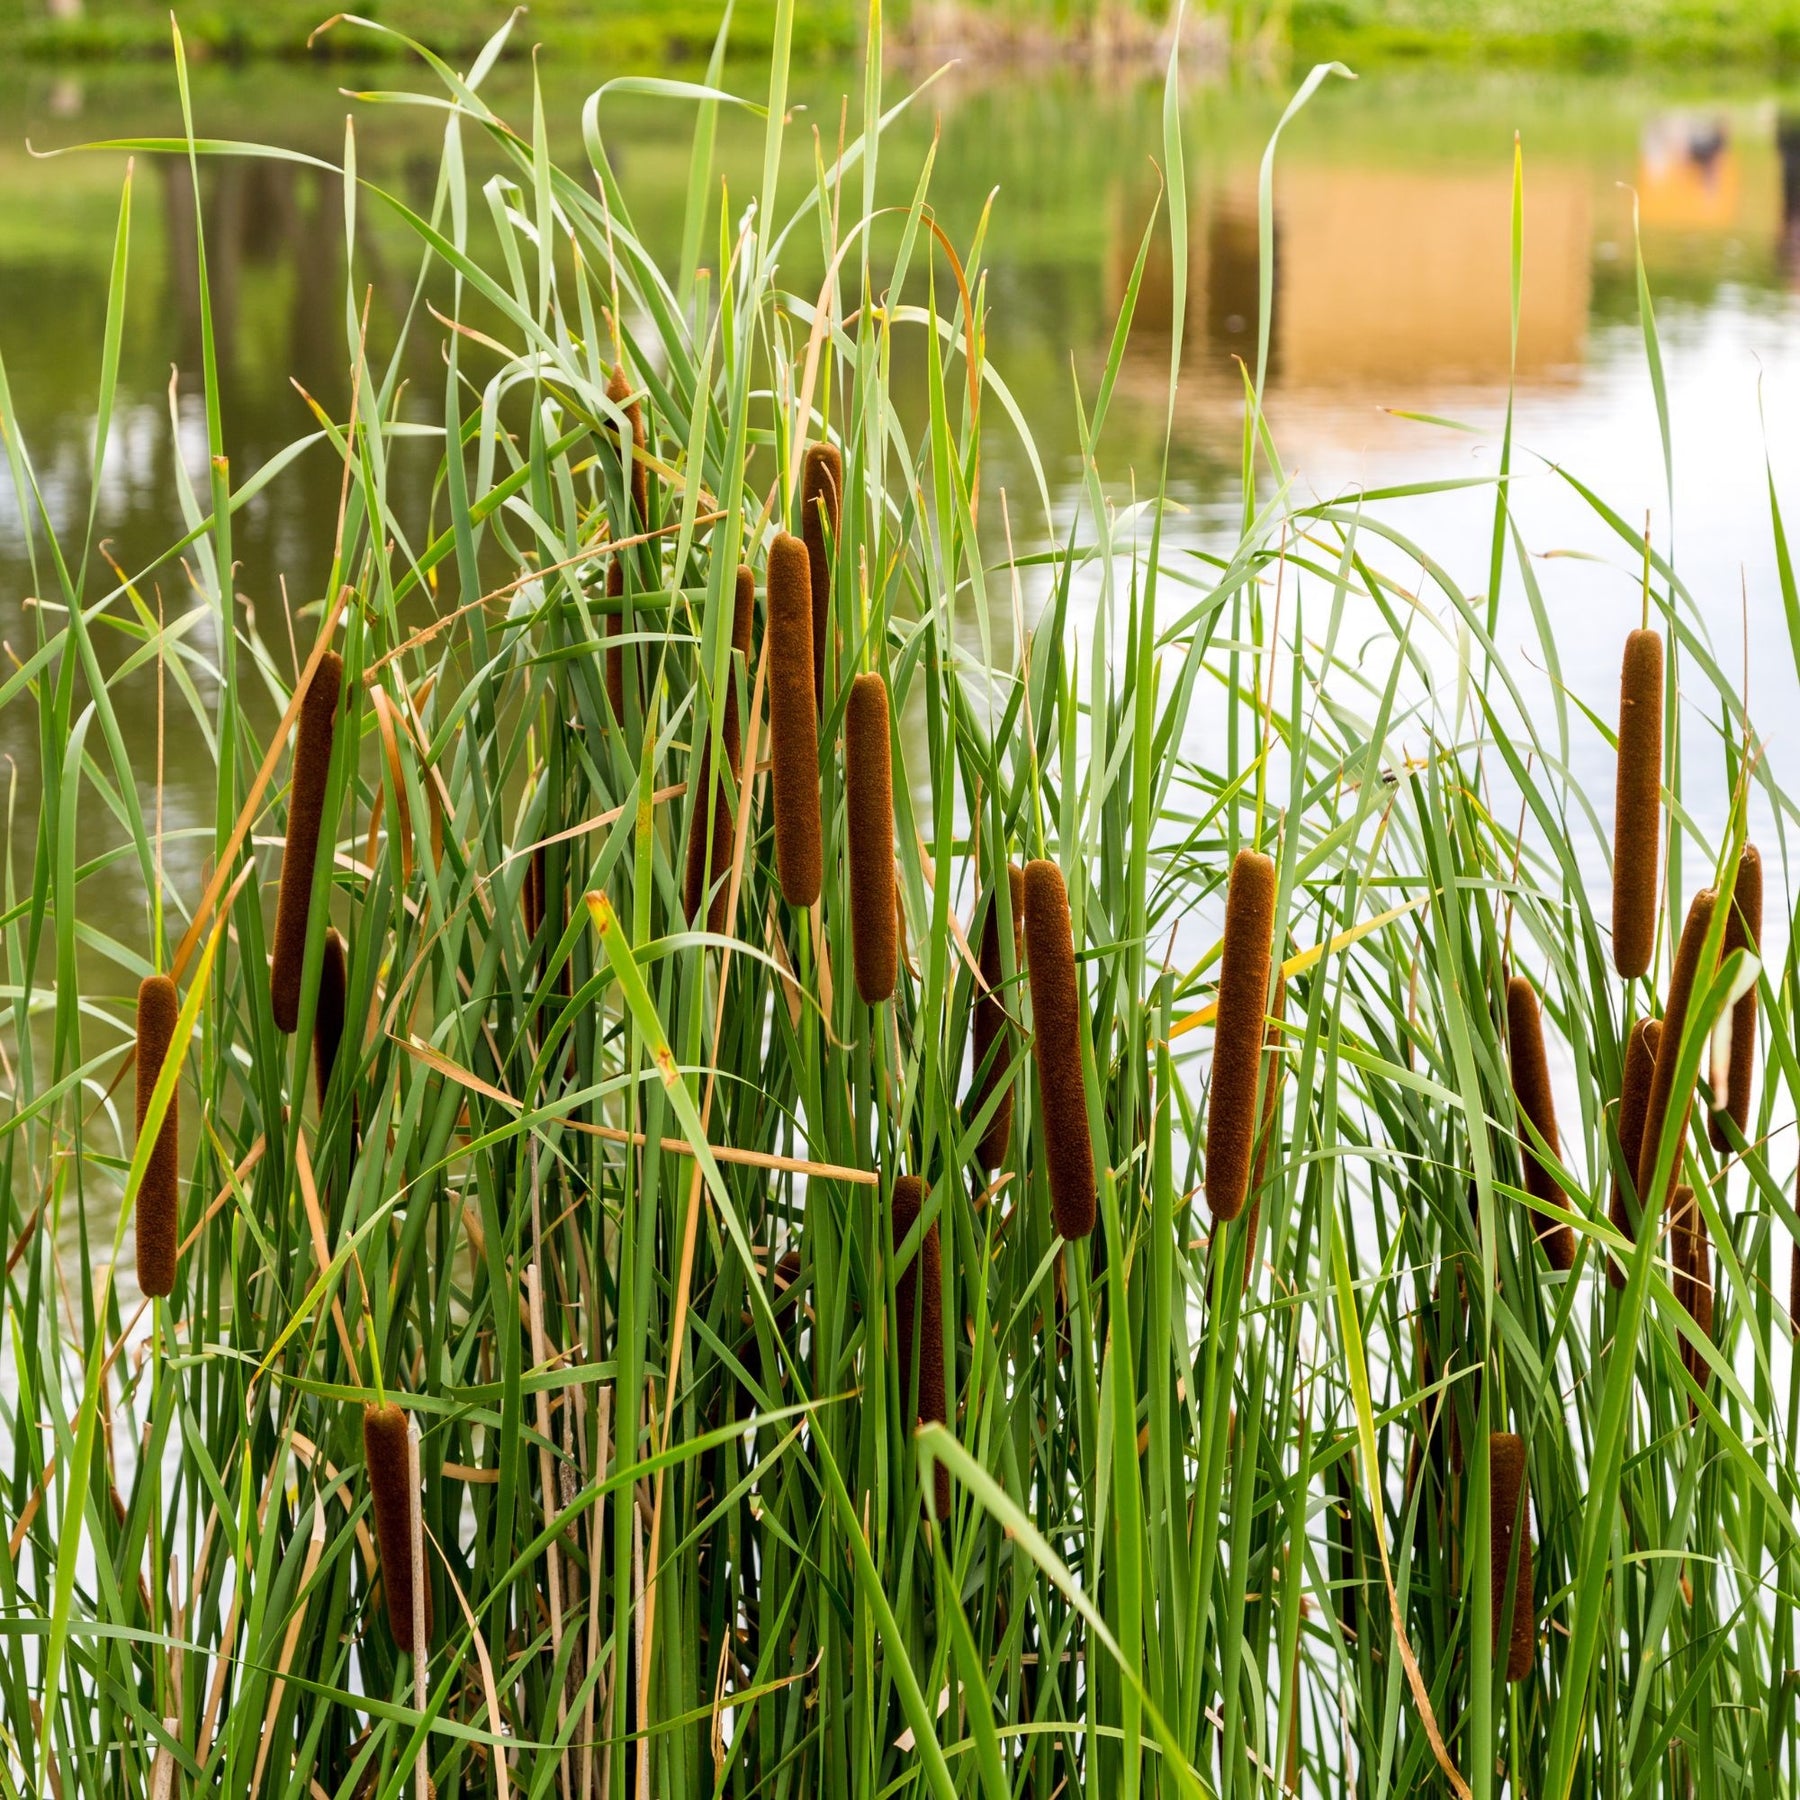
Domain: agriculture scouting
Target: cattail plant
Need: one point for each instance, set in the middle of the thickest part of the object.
(306, 813)
(1664, 1105)
(706, 868)
(869, 809)
(992, 1040)
(1269, 1125)
(793, 724)
(1509, 1518)
(821, 509)
(328, 1011)
(1634, 1104)
(1734, 1082)
(157, 1217)
(391, 1492)
(1231, 1117)
(919, 1293)
(1056, 1048)
(1690, 1255)
(1537, 1107)
(1637, 803)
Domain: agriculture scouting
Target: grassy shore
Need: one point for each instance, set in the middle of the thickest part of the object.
(639, 33)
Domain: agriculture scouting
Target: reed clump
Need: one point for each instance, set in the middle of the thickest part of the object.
(1056, 1049)
(386, 1454)
(1634, 1107)
(1239, 1035)
(1637, 803)
(990, 1024)
(793, 724)
(1537, 1106)
(1735, 1081)
(313, 735)
(1509, 1521)
(158, 1213)
(869, 810)
(919, 1295)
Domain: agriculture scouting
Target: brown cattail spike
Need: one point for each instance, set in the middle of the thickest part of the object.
(992, 1038)
(1637, 803)
(1690, 1254)
(1634, 1103)
(328, 1014)
(919, 1294)
(306, 814)
(1269, 1127)
(705, 873)
(1056, 1047)
(1735, 1082)
(616, 390)
(793, 724)
(1794, 1293)
(869, 814)
(1510, 1518)
(1238, 1035)
(157, 1217)
(1666, 1108)
(1531, 1089)
(821, 510)
(390, 1489)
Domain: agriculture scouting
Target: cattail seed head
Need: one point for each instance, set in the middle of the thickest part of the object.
(616, 390)
(992, 1046)
(1736, 1082)
(306, 812)
(328, 1013)
(919, 1294)
(1510, 1517)
(1231, 1116)
(706, 873)
(1690, 1256)
(1531, 1090)
(1665, 1106)
(821, 493)
(390, 1489)
(1056, 1048)
(869, 813)
(1634, 1103)
(157, 1217)
(1637, 803)
(793, 724)
(1270, 1126)
(1794, 1293)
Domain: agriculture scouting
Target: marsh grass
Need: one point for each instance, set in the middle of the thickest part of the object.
(607, 1206)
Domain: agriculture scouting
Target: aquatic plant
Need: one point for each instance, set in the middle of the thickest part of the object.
(530, 1180)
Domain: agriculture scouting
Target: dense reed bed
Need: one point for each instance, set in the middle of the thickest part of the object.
(736, 1106)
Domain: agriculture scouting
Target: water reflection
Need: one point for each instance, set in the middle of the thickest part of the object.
(1392, 290)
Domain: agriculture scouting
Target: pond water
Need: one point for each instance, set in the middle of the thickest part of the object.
(1392, 205)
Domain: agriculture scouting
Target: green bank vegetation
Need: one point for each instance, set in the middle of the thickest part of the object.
(613, 1198)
